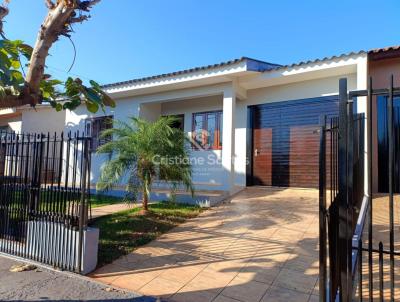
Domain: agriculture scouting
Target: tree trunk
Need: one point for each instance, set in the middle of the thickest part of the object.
(57, 23)
(11, 101)
(145, 204)
(52, 27)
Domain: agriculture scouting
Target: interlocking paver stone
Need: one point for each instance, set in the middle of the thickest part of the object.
(263, 245)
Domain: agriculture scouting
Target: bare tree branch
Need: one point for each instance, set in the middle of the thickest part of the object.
(50, 4)
(11, 101)
(87, 5)
(50, 30)
(60, 16)
(79, 19)
(3, 12)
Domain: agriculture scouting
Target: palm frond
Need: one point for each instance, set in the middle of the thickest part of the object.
(135, 146)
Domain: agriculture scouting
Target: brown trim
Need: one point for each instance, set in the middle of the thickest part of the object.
(100, 117)
(384, 54)
(217, 134)
(10, 115)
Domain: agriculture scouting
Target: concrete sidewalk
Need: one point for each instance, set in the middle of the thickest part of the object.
(110, 209)
(48, 285)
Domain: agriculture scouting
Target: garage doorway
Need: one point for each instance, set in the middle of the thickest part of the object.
(285, 142)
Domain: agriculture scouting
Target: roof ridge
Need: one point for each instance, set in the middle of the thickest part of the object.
(273, 66)
(260, 61)
(352, 53)
(189, 70)
(383, 49)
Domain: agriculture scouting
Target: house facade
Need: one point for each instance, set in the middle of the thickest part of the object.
(251, 122)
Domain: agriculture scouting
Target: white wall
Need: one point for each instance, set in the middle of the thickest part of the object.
(75, 121)
(208, 172)
(43, 120)
(207, 167)
(150, 112)
(295, 91)
(15, 123)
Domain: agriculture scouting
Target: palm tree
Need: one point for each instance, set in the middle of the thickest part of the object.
(141, 152)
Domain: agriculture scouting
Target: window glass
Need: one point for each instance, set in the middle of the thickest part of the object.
(211, 130)
(94, 127)
(180, 122)
(207, 127)
(383, 141)
(221, 125)
(5, 128)
(198, 128)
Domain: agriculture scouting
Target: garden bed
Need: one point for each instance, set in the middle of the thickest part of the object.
(122, 232)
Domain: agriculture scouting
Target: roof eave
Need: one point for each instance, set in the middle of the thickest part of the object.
(196, 78)
(227, 67)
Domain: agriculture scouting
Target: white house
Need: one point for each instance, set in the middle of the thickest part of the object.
(260, 118)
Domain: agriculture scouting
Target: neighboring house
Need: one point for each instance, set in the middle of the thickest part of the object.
(383, 63)
(252, 122)
(43, 118)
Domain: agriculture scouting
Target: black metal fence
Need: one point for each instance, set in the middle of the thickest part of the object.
(330, 241)
(352, 253)
(44, 188)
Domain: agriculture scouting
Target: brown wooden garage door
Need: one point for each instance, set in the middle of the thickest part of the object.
(286, 141)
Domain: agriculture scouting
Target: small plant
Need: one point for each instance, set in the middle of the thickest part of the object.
(141, 152)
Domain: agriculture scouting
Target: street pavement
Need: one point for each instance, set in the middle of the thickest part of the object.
(43, 284)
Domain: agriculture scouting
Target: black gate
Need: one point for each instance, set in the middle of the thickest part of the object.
(357, 249)
(44, 188)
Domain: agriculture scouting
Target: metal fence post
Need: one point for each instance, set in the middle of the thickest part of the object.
(82, 206)
(342, 195)
(40, 219)
(370, 182)
(391, 185)
(350, 224)
(322, 211)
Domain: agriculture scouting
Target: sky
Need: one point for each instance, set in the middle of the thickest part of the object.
(127, 39)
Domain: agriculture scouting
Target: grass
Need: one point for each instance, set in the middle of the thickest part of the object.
(122, 232)
(49, 201)
(99, 200)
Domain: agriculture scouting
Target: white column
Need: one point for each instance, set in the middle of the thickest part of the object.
(150, 111)
(362, 84)
(228, 138)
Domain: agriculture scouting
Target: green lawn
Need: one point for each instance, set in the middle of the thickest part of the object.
(98, 200)
(122, 232)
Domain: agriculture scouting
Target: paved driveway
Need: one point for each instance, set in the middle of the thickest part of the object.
(260, 247)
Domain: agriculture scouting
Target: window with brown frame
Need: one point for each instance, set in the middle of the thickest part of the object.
(207, 130)
(93, 129)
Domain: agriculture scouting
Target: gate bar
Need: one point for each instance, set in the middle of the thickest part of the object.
(360, 270)
(391, 191)
(384, 251)
(343, 210)
(369, 158)
(322, 211)
(380, 272)
(374, 92)
(350, 197)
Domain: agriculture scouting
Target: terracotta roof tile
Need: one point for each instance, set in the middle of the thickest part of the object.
(267, 66)
(185, 71)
